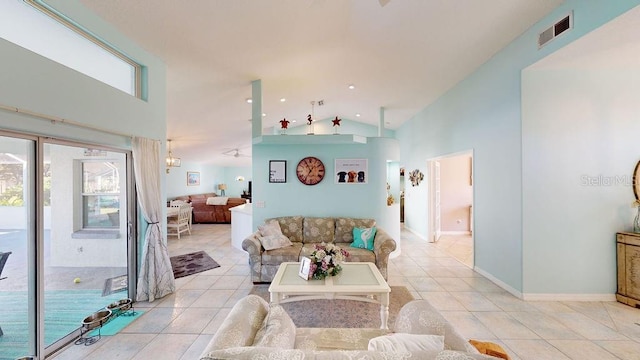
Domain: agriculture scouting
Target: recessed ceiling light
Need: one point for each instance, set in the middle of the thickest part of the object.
(351, 86)
(293, 121)
(358, 115)
(283, 99)
(249, 100)
(264, 114)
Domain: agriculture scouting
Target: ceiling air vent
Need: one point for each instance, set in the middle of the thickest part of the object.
(556, 29)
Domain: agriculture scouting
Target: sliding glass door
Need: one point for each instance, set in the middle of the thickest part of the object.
(86, 247)
(66, 214)
(17, 247)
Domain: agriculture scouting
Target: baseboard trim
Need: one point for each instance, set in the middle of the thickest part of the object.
(415, 233)
(498, 282)
(569, 297)
(455, 233)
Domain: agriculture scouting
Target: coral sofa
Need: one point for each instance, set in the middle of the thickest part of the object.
(211, 214)
(304, 232)
(255, 330)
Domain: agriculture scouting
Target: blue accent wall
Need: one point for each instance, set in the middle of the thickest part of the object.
(483, 113)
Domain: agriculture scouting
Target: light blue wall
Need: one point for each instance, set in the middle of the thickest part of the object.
(483, 113)
(580, 146)
(210, 177)
(326, 198)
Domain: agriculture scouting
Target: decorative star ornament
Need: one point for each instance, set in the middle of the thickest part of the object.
(336, 121)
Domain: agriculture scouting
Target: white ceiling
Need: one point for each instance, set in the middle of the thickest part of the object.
(401, 56)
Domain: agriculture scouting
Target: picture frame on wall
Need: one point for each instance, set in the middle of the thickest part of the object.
(193, 178)
(351, 171)
(277, 171)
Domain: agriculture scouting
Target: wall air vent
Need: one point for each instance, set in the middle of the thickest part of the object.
(556, 29)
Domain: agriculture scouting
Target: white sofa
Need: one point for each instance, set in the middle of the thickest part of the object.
(254, 330)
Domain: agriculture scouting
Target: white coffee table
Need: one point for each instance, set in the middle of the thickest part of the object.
(360, 281)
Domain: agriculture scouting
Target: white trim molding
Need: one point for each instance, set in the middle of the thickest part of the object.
(498, 282)
(455, 233)
(569, 297)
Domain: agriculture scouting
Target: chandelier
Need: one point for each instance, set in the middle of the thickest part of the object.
(171, 161)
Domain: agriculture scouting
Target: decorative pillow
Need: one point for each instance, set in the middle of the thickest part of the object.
(363, 238)
(176, 202)
(270, 228)
(217, 200)
(274, 241)
(400, 342)
(278, 330)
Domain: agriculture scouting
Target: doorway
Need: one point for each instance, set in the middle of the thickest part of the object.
(451, 205)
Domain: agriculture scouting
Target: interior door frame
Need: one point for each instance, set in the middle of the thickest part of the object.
(433, 233)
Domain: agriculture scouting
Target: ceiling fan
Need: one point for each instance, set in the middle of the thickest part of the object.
(235, 153)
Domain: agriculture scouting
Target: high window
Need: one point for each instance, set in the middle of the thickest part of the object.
(38, 27)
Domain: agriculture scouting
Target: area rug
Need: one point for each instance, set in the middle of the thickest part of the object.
(340, 313)
(114, 285)
(116, 324)
(192, 263)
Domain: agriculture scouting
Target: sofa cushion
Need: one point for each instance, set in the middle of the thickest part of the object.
(317, 230)
(321, 339)
(291, 227)
(344, 228)
(278, 330)
(360, 255)
(406, 342)
(278, 256)
(363, 237)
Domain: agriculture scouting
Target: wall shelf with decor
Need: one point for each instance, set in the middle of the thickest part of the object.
(309, 139)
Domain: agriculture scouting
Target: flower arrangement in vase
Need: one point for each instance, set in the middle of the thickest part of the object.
(326, 259)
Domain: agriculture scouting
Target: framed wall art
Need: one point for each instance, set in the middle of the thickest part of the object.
(193, 178)
(277, 171)
(351, 171)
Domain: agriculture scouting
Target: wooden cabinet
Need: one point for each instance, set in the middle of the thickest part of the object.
(628, 256)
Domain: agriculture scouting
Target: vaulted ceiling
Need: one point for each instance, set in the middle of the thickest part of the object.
(401, 56)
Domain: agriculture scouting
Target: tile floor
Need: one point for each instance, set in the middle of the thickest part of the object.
(180, 325)
(460, 247)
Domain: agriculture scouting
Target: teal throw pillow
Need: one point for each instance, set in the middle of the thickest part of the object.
(363, 238)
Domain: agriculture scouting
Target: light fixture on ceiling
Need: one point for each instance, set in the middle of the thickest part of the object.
(264, 114)
(249, 100)
(357, 114)
(351, 86)
(283, 99)
(171, 160)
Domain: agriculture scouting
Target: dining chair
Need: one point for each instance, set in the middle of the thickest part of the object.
(181, 222)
